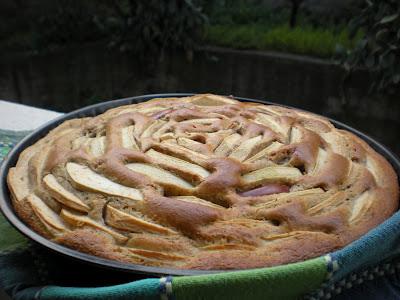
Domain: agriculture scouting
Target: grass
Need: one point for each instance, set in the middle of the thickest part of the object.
(305, 40)
(235, 26)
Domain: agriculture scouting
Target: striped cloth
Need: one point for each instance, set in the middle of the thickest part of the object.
(366, 269)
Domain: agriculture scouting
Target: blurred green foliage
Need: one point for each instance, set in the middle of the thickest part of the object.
(301, 40)
(240, 12)
(236, 24)
(224, 12)
(71, 23)
(379, 48)
(148, 28)
(145, 27)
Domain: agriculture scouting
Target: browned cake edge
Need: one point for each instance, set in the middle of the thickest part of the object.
(99, 244)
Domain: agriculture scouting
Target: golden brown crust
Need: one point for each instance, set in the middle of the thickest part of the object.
(91, 242)
(203, 182)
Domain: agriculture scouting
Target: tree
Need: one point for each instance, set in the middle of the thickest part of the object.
(151, 26)
(379, 49)
(294, 11)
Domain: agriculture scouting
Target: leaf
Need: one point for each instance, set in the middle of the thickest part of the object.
(172, 7)
(382, 34)
(347, 66)
(146, 32)
(391, 59)
(386, 60)
(370, 61)
(362, 43)
(396, 79)
(340, 50)
(376, 49)
(389, 19)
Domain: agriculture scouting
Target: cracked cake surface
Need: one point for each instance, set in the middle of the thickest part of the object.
(202, 182)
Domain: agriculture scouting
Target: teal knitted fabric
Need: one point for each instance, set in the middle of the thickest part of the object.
(265, 283)
(143, 289)
(10, 239)
(28, 271)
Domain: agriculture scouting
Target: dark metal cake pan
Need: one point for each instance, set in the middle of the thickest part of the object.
(93, 110)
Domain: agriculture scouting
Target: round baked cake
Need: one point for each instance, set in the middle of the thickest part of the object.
(202, 182)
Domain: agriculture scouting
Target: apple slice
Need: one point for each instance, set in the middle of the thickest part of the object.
(322, 158)
(269, 189)
(295, 135)
(161, 114)
(211, 100)
(283, 235)
(302, 193)
(49, 218)
(80, 221)
(270, 175)
(360, 205)
(229, 247)
(196, 200)
(190, 144)
(128, 139)
(171, 161)
(263, 153)
(153, 128)
(329, 203)
(171, 146)
(88, 180)
(151, 110)
(284, 198)
(208, 121)
(97, 146)
(58, 192)
(124, 221)
(78, 142)
(165, 136)
(227, 144)
(159, 175)
(245, 148)
(273, 123)
(156, 254)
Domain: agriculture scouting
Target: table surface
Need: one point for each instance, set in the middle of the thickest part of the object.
(14, 116)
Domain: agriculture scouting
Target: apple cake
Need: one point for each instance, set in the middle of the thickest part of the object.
(202, 182)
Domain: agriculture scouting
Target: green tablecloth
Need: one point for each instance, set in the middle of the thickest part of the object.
(29, 271)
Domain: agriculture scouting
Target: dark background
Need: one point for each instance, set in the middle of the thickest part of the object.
(62, 55)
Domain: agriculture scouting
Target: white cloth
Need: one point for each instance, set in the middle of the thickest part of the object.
(14, 116)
